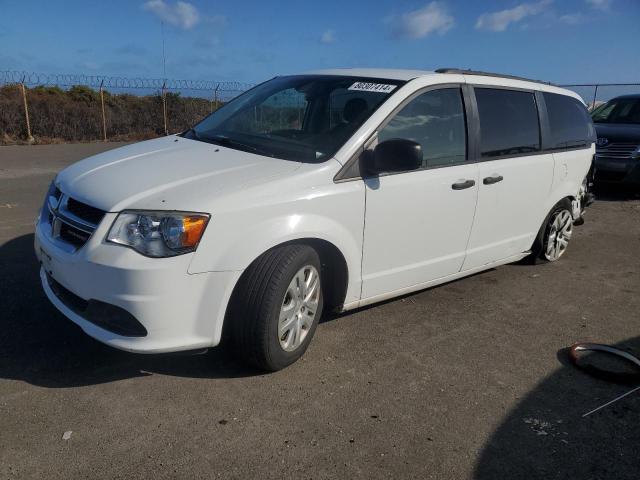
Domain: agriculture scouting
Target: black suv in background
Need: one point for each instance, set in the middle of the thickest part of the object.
(617, 124)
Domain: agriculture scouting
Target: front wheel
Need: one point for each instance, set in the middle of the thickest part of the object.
(277, 306)
(554, 235)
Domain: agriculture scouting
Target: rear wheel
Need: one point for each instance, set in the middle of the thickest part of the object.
(558, 236)
(554, 235)
(277, 307)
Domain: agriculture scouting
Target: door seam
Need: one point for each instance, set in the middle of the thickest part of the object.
(364, 225)
(473, 220)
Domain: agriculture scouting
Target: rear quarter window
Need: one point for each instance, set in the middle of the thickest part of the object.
(569, 122)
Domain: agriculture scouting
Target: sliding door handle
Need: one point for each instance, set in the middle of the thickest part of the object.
(462, 184)
(493, 179)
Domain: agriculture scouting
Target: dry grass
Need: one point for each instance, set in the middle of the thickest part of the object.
(74, 115)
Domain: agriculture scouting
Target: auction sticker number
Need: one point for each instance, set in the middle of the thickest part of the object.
(372, 87)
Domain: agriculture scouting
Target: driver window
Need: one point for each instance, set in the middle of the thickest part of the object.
(436, 121)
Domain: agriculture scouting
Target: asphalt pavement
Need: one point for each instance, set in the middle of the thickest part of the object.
(465, 380)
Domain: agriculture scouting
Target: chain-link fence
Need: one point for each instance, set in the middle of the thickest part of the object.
(595, 94)
(62, 107)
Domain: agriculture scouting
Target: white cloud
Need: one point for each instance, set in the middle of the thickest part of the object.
(499, 21)
(327, 37)
(572, 18)
(422, 22)
(180, 14)
(604, 5)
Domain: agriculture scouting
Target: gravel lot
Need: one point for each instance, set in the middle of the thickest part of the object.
(466, 380)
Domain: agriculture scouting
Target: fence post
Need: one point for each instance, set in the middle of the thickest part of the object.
(30, 138)
(164, 108)
(104, 120)
(595, 93)
(215, 97)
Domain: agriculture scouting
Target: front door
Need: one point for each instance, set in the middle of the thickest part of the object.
(417, 223)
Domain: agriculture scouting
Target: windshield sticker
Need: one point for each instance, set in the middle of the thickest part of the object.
(372, 87)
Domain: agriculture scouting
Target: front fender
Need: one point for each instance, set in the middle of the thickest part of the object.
(334, 213)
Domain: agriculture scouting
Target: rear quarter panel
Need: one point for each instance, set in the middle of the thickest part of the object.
(570, 168)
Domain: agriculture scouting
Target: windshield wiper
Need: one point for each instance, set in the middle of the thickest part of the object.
(229, 142)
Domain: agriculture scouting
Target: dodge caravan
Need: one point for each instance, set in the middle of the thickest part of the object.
(328, 190)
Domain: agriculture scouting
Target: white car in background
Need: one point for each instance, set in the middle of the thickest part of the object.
(328, 190)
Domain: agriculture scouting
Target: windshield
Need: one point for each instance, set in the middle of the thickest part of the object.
(618, 110)
(304, 118)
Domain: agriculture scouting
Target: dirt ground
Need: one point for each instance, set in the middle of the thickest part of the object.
(466, 380)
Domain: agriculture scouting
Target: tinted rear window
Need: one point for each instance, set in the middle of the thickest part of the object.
(569, 122)
(508, 122)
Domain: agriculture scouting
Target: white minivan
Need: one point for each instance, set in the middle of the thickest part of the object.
(327, 190)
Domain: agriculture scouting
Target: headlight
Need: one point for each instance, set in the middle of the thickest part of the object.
(158, 234)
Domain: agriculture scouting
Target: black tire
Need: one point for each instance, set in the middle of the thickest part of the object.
(539, 245)
(258, 300)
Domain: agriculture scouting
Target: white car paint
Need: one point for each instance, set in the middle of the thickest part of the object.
(509, 214)
(397, 233)
(416, 227)
(168, 172)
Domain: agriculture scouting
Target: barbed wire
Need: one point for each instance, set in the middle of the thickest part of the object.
(106, 81)
(600, 85)
(97, 81)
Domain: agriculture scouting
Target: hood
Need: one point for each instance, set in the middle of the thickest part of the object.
(169, 173)
(618, 132)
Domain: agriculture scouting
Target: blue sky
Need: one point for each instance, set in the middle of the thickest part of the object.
(557, 40)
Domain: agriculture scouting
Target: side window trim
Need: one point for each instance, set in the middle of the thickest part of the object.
(543, 118)
(351, 169)
(473, 123)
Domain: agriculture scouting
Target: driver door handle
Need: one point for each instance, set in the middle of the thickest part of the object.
(462, 184)
(493, 179)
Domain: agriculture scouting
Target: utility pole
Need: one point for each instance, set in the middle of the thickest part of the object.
(164, 58)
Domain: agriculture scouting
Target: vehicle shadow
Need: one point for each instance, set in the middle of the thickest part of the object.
(546, 436)
(329, 316)
(40, 346)
(613, 193)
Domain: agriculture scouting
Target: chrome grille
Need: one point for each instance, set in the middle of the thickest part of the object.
(69, 222)
(617, 150)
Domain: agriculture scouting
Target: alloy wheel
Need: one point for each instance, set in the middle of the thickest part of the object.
(299, 308)
(561, 228)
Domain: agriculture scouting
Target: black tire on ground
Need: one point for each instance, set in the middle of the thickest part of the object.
(538, 248)
(257, 302)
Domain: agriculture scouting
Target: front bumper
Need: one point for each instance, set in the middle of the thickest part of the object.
(178, 310)
(624, 171)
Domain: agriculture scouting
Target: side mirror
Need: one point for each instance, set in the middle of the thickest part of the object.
(394, 155)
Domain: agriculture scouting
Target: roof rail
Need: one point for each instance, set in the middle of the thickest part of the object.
(487, 74)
